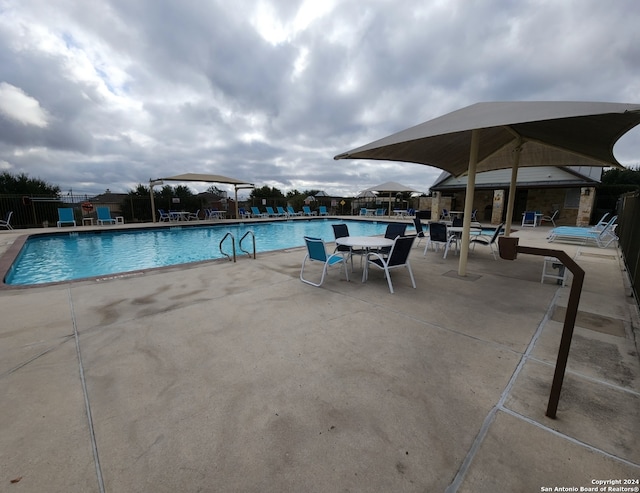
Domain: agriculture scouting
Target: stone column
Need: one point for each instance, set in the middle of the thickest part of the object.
(587, 199)
(498, 206)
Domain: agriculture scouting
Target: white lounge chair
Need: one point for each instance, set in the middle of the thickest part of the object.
(5, 223)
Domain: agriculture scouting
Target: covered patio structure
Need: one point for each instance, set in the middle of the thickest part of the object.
(203, 178)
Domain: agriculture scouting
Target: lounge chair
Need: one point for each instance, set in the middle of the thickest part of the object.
(380, 212)
(244, 214)
(104, 216)
(340, 231)
(65, 216)
(307, 211)
(6, 222)
(489, 241)
(551, 218)
(282, 212)
(398, 257)
(419, 230)
(602, 237)
(438, 235)
(316, 252)
(600, 225)
(292, 212)
(363, 211)
(255, 212)
(529, 219)
(323, 210)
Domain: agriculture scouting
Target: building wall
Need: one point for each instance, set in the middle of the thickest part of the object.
(492, 204)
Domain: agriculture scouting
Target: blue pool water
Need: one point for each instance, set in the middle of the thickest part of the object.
(68, 256)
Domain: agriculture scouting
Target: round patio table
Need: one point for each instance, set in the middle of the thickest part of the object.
(366, 243)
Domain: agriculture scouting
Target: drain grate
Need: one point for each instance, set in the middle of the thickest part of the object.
(592, 321)
(598, 255)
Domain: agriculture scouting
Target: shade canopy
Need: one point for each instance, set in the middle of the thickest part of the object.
(556, 133)
(205, 178)
(200, 177)
(498, 135)
(391, 186)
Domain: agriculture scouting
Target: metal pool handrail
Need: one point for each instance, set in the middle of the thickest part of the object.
(233, 245)
(253, 237)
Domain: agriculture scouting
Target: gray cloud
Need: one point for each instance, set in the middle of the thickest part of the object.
(137, 90)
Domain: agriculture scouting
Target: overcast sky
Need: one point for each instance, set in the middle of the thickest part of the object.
(98, 94)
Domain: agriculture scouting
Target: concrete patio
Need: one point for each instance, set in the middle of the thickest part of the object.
(232, 377)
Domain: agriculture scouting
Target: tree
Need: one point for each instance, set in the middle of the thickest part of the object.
(21, 184)
(628, 176)
(272, 196)
(137, 205)
(213, 190)
(614, 183)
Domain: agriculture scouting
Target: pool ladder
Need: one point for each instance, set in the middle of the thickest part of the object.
(233, 245)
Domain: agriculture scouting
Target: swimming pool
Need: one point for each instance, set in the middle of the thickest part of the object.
(76, 255)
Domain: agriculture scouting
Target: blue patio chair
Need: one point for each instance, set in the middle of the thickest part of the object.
(164, 216)
(380, 212)
(244, 214)
(271, 212)
(65, 216)
(6, 222)
(419, 230)
(307, 211)
(281, 211)
(293, 212)
(363, 211)
(323, 210)
(316, 252)
(398, 257)
(341, 231)
(438, 235)
(104, 216)
(529, 219)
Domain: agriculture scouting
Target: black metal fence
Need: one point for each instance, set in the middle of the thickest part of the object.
(628, 231)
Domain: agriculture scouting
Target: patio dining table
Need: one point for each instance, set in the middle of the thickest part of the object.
(367, 243)
(179, 215)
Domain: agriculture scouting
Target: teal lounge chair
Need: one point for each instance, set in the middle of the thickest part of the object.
(104, 216)
(293, 212)
(601, 237)
(255, 212)
(271, 212)
(323, 210)
(317, 252)
(307, 211)
(65, 216)
(282, 212)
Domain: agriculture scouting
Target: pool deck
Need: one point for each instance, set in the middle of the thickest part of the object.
(229, 377)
